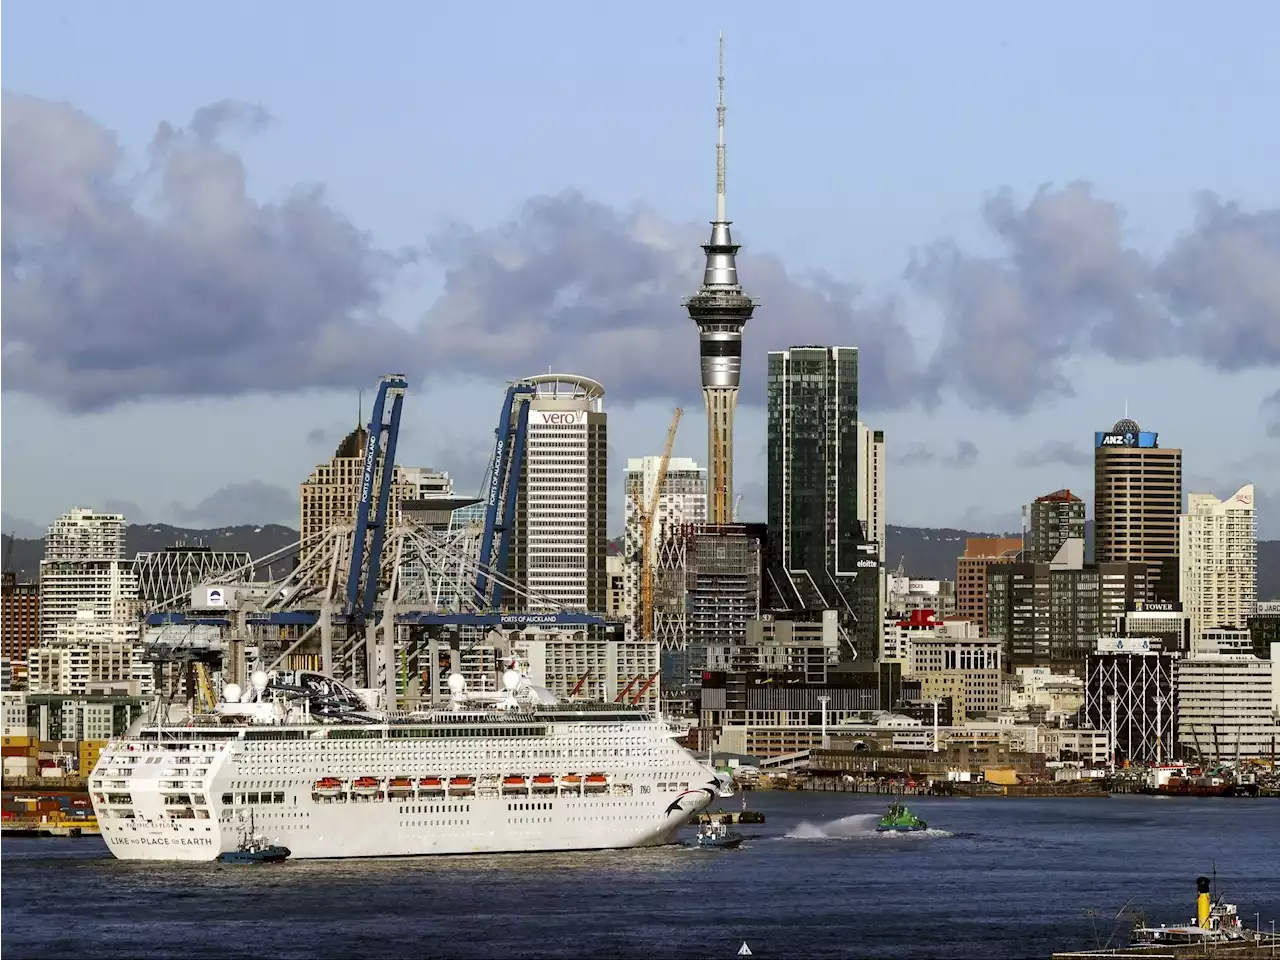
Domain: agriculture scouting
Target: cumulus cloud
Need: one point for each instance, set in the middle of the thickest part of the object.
(171, 281)
(1066, 283)
(595, 290)
(1055, 451)
(964, 454)
(251, 502)
(174, 282)
(1012, 319)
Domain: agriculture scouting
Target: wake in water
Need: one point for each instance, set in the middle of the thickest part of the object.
(860, 826)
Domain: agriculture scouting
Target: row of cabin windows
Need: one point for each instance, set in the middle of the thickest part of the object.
(239, 799)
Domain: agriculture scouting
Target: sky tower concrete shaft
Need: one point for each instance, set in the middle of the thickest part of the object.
(720, 309)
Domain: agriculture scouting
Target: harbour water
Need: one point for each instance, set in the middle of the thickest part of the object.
(993, 878)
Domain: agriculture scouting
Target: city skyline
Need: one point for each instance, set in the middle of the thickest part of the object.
(611, 275)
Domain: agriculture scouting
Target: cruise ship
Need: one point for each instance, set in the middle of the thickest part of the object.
(324, 773)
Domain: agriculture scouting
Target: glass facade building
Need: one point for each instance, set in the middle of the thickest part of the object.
(820, 556)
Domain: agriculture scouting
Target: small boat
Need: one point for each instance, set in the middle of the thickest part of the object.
(513, 781)
(253, 848)
(571, 780)
(717, 836)
(462, 785)
(597, 781)
(400, 786)
(365, 786)
(900, 820)
(328, 787)
(431, 785)
(544, 781)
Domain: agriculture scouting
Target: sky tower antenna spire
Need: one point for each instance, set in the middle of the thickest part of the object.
(720, 204)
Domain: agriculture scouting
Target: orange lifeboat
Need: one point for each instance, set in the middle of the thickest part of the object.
(328, 786)
(400, 786)
(571, 780)
(513, 781)
(544, 781)
(431, 784)
(365, 786)
(462, 785)
(597, 779)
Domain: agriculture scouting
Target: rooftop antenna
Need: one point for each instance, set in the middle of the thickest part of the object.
(359, 408)
(1126, 408)
(720, 204)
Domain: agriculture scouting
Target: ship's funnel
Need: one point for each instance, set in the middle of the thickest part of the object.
(1202, 901)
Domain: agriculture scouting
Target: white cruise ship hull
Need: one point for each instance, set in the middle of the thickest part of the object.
(424, 829)
(330, 792)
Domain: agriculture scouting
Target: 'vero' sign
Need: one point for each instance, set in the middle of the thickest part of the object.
(559, 418)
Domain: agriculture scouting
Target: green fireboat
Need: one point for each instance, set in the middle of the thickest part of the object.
(900, 820)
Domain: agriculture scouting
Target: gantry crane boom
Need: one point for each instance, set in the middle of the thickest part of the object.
(648, 515)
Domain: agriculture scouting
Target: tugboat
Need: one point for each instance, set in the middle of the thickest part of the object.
(900, 820)
(254, 849)
(716, 836)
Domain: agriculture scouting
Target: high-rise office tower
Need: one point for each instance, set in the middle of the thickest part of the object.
(1137, 498)
(1051, 521)
(19, 618)
(1219, 556)
(871, 481)
(720, 309)
(559, 543)
(820, 555)
(331, 494)
(871, 477)
(971, 575)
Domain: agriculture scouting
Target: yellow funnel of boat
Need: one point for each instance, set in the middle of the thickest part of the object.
(1202, 901)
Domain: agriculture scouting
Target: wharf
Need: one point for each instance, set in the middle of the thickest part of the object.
(1256, 947)
(873, 785)
(51, 828)
(950, 788)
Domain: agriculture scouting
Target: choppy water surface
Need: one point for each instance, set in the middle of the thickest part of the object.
(991, 879)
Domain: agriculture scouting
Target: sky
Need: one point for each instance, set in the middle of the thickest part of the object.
(222, 221)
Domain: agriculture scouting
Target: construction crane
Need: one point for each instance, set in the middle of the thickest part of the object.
(370, 530)
(647, 514)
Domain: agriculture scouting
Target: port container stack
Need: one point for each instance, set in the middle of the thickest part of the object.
(21, 756)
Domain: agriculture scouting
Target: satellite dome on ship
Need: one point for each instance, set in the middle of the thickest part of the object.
(1125, 426)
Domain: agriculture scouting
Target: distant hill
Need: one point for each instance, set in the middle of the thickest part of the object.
(930, 554)
(141, 538)
(926, 552)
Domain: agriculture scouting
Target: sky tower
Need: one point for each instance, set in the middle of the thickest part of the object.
(720, 309)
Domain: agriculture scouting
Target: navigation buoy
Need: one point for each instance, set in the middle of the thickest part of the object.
(744, 950)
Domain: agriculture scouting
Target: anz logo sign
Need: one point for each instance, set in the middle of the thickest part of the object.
(1119, 440)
